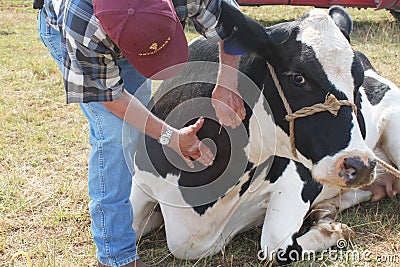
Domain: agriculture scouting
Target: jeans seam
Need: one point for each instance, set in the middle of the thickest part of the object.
(54, 50)
(101, 176)
(98, 121)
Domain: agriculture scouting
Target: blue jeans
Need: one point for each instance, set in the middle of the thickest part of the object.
(109, 178)
(50, 37)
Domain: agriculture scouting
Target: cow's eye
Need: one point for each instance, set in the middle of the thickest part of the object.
(298, 79)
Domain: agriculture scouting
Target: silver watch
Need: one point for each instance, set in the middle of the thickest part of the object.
(165, 138)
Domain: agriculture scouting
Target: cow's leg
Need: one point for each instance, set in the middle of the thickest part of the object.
(280, 226)
(189, 236)
(147, 215)
(325, 232)
(285, 212)
(284, 238)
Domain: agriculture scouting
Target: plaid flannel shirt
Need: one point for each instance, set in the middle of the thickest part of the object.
(51, 10)
(90, 71)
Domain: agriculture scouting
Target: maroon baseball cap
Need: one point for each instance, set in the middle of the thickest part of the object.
(148, 32)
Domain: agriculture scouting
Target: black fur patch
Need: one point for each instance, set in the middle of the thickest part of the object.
(311, 188)
(375, 90)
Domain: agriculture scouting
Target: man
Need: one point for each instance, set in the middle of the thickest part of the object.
(102, 43)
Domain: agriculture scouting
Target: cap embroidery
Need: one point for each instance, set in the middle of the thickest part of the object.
(155, 48)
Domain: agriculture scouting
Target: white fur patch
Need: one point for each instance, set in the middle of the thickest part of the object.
(331, 48)
(262, 136)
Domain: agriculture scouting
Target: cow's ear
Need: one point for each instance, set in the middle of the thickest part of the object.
(342, 19)
(364, 60)
(244, 33)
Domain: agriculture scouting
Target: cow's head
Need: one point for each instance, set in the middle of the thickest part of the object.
(313, 58)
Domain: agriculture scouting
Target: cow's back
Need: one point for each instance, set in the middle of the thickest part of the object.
(174, 91)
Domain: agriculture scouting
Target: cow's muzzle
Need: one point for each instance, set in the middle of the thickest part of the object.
(355, 172)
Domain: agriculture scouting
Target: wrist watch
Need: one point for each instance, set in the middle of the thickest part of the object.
(165, 138)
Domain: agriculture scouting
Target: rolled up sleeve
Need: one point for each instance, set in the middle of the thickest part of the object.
(205, 15)
(90, 76)
(90, 71)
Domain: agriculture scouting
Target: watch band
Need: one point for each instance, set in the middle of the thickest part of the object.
(169, 131)
(165, 138)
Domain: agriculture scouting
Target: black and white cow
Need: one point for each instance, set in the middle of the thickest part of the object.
(255, 178)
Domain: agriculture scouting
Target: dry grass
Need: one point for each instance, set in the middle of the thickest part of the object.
(43, 155)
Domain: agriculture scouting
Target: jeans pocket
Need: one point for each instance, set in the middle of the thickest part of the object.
(50, 37)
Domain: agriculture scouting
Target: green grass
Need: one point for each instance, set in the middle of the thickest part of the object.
(44, 149)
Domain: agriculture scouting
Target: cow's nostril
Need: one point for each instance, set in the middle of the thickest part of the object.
(356, 172)
(355, 163)
(372, 163)
(349, 170)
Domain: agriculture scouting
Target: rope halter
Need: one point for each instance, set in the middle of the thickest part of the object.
(331, 104)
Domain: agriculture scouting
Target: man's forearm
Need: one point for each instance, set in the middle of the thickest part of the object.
(131, 110)
(226, 100)
(228, 69)
(184, 141)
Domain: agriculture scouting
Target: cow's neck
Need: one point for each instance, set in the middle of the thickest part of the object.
(263, 127)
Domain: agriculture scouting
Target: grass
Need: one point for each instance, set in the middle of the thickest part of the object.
(44, 149)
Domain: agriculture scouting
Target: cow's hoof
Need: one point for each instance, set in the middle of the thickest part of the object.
(339, 230)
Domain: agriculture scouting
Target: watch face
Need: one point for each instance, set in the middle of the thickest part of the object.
(164, 140)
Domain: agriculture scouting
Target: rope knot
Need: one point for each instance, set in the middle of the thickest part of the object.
(331, 104)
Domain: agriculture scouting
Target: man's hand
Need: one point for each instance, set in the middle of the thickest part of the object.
(186, 143)
(229, 106)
